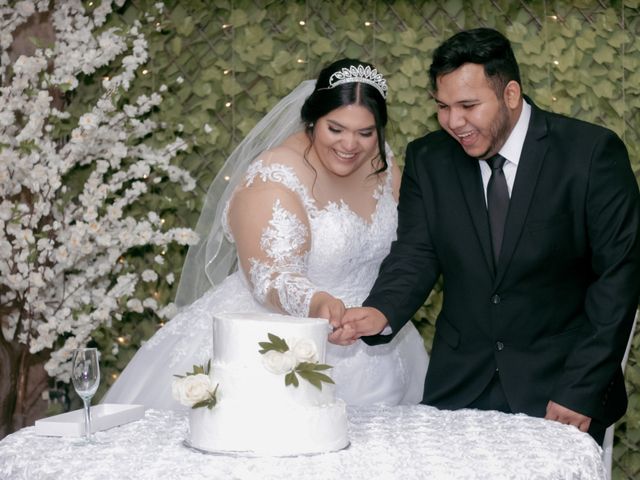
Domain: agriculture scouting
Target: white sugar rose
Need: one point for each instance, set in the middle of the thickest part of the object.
(279, 363)
(305, 351)
(192, 389)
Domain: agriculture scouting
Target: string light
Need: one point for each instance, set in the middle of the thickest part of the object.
(302, 23)
(121, 340)
(156, 295)
(162, 221)
(227, 178)
(226, 72)
(145, 71)
(556, 62)
(367, 24)
(226, 25)
(301, 60)
(230, 104)
(114, 376)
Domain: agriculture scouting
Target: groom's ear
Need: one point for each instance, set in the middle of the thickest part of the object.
(512, 95)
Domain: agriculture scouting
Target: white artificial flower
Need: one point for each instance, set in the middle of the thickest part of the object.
(61, 255)
(135, 305)
(278, 362)
(149, 276)
(207, 128)
(184, 236)
(36, 280)
(159, 259)
(119, 150)
(25, 8)
(168, 312)
(5, 249)
(125, 285)
(6, 39)
(6, 212)
(88, 121)
(130, 111)
(7, 118)
(150, 303)
(192, 389)
(170, 278)
(304, 350)
(114, 212)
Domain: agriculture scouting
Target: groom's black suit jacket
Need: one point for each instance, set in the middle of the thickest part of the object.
(554, 318)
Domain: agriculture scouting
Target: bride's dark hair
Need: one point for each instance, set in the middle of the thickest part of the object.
(325, 99)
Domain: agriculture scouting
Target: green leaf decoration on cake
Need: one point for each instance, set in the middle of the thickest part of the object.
(311, 373)
(276, 343)
(298, 361)
(208, 402)
(197, 369)
(291, 379)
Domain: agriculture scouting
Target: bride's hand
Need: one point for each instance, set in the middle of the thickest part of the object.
(325, 305)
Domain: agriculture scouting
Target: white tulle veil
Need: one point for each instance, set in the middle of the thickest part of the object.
(211, 260)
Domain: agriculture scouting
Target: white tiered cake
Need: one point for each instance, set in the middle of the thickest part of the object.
(255, 411)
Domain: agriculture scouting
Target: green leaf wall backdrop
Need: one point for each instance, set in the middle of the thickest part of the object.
(227, 62)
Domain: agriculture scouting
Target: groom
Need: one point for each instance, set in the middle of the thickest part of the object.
(539, 248)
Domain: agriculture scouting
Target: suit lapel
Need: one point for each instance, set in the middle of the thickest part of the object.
(469, 174)
(533, 153)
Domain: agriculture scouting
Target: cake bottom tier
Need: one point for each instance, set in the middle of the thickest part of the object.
(269, 431)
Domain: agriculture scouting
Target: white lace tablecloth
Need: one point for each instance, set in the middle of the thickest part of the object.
(407, 442)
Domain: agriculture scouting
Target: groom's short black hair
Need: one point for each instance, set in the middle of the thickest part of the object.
(482, 46)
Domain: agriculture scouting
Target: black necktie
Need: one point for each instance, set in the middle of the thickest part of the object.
(497, 203)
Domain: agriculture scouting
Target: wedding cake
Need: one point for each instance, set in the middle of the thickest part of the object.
(269, 391)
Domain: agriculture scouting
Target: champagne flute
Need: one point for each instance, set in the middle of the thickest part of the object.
(85, 375)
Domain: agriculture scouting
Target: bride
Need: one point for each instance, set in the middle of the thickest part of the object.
(304, 211)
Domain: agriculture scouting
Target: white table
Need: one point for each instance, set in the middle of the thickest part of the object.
(408, 442)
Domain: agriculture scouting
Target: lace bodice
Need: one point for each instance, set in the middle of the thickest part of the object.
(305, 248)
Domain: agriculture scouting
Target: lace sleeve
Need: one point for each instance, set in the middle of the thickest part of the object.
(271, 229)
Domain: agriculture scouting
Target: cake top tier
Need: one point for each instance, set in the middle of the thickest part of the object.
(237, 336)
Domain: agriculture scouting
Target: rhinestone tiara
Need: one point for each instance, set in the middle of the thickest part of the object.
(362, 74)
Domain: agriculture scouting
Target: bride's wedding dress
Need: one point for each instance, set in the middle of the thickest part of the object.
(326, 248)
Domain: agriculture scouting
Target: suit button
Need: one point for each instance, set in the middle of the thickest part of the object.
(495, 299)
(499, 346)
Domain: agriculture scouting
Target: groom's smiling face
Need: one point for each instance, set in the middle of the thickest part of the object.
(471, 112)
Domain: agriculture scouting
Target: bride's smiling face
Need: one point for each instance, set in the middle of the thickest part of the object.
(345, 139)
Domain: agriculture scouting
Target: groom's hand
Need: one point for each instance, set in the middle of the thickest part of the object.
(561, 414)
(344, 335)
(364, 321)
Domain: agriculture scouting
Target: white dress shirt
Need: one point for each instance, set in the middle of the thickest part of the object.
(511, 151)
